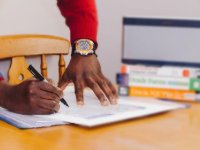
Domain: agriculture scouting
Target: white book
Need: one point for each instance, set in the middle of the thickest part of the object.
(92, 113)
(159, 82)
(167, 71)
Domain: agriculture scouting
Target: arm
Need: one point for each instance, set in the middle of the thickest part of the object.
(2, 90)
(85, 71)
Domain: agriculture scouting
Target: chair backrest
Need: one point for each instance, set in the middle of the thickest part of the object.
(18, 47)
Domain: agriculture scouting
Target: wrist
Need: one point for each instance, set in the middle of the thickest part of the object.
(4, 94)
(83, 60)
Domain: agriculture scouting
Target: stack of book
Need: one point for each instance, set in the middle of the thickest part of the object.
(166, 82)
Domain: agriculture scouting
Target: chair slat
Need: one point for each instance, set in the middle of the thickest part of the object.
(18, 71)
(43, 66)
(61, 65)
(17, 47)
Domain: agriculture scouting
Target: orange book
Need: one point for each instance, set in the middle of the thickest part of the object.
(172, 94)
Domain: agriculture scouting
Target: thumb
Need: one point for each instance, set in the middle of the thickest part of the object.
(64, 81)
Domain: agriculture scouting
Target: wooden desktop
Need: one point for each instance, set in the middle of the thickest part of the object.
(175, 130)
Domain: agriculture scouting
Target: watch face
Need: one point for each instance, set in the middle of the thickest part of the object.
(84, 47)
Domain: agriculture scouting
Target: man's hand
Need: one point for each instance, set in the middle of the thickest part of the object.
(85, 71)
(32, 97)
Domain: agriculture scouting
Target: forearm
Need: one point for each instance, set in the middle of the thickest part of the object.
(4, 94)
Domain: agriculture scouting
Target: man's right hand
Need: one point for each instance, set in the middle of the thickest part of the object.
(32, 97)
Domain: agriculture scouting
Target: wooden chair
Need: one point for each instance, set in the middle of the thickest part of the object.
(18, 47)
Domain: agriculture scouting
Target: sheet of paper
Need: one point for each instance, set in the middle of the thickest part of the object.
(93, 114)
(27, 121)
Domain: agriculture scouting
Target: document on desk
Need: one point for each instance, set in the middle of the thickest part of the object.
(92, 113)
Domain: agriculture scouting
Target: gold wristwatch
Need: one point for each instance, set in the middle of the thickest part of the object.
(83, 47)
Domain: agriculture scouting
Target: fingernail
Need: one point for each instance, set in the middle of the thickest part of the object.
(80, 103)
(113, 102)
(111, 98)
(105, 103)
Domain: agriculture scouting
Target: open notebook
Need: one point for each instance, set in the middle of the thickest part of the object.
(92, 113)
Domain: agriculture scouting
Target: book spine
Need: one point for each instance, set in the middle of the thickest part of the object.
(164, 82)
(167, 71)
(122, 79)
(194, 84)
(170, 94)
(123, 90)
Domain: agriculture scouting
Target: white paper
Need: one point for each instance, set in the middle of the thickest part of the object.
(27, 121)
(91, 113)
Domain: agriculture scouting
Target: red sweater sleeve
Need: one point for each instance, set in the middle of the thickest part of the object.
(81, 17)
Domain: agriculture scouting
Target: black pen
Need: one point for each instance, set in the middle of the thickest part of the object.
(39, 77)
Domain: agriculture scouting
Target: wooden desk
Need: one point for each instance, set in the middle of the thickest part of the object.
(176, 130)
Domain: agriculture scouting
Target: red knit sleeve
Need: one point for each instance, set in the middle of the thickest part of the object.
(81, 17)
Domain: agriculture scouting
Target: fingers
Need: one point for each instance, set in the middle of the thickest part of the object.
(98, 92)
(47, 95)
(42, 106)
(79, 93)
(112, 88)
(51, 106)
(36, 97)
(47, 98)
(42, 111)
(50, 89)
(106, 89)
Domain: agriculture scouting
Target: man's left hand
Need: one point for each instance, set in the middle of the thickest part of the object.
(85, 71)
